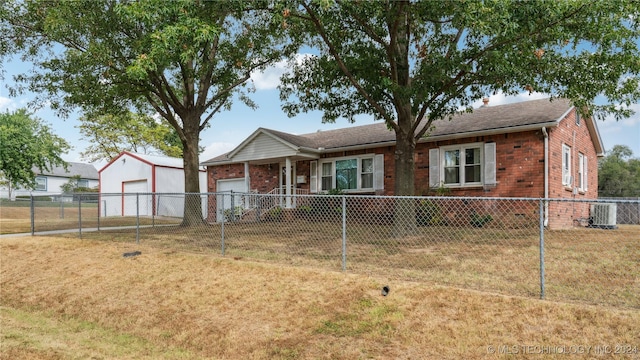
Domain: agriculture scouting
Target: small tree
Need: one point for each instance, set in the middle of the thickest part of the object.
(26, 143)
(619, 173)
(184, 60)
(110, 134)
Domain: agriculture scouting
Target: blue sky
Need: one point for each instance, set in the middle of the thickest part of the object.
(228, 129)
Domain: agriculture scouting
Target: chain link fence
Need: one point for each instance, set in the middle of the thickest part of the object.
(587, 251)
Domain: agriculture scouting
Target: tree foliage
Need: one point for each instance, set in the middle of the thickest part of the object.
(109, 135)
(73, 186)
(619, 173)
(409, 63)
(26, 143)
(184, 60)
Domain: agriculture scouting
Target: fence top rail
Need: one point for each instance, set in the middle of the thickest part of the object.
(364, 196)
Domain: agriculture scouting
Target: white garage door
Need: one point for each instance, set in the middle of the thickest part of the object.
(133, 200)
(227, 201)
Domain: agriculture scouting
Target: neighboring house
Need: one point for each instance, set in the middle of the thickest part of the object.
(129, 174)
(49, 183)
(531, 149)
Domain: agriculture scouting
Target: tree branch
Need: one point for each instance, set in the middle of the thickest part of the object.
(332, 50)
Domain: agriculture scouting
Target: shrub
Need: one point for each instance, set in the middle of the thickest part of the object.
(478, 220)
(427, 213)
(304, 211)
(233, 214)
(274, 214)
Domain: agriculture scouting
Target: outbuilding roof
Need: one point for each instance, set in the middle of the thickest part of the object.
(85, 171)
(154, 160)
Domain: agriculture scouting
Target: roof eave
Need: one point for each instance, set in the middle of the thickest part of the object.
(307, 152)
(496, 131)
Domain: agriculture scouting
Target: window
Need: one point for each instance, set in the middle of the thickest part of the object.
(41, 183)
(347, 174)
(462, 165)
(366, 174)
(452, 167)
(83, 183)
(361, 173)
(582, 172)
(577, 118)
(327, 177)
(566, 165)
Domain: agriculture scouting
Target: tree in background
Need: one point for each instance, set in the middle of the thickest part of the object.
(109, 135)
(184, 60)
(27, 143)
(619, 173)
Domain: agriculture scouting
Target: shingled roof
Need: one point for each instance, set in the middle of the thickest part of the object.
(85, 171)
(485, 120)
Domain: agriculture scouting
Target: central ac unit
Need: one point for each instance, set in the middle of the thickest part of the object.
(603, 215)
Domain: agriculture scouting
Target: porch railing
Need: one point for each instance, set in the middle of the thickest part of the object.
(248, 204)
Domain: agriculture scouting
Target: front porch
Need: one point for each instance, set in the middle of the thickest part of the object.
(278, 181)
(276, 205)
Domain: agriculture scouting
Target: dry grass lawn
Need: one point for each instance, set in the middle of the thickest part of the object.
(17, 219)
(67, 298)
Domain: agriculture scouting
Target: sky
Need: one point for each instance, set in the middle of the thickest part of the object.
(228, 129)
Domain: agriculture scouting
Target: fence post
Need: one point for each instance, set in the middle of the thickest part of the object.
(98, 209)
(154, 209)
(344, 233)
(223, 221)
(79, 215)
(33, 216)
(541, 210)
(138, 218)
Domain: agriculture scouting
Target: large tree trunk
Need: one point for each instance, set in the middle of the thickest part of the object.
(193, 202)
(404, 214)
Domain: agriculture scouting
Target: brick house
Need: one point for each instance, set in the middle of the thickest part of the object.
(531, 149)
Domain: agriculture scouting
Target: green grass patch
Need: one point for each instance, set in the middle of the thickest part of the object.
(37, 334)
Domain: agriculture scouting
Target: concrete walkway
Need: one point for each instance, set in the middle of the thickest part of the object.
(67, 231)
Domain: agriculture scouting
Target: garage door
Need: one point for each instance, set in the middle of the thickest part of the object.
(227, 201)
(133, 199)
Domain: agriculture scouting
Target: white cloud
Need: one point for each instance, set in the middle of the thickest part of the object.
(215, 149)
(6, 104)
(502, 99)
(610, 125)
(269, 78)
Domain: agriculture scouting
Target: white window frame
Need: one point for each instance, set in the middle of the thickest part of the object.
(83, 183)
(362, 172)
(566, 165)
(41, 183)
(582, 172)
(359, 172)
(462, 148)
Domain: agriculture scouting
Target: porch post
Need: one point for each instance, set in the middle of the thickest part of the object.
(247, 184)
(288, 182)
(247, 177)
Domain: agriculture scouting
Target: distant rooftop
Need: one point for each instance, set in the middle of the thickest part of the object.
(85, 171)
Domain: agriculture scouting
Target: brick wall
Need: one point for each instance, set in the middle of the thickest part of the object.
(263, 178)
(519, 165)
(576, 136)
